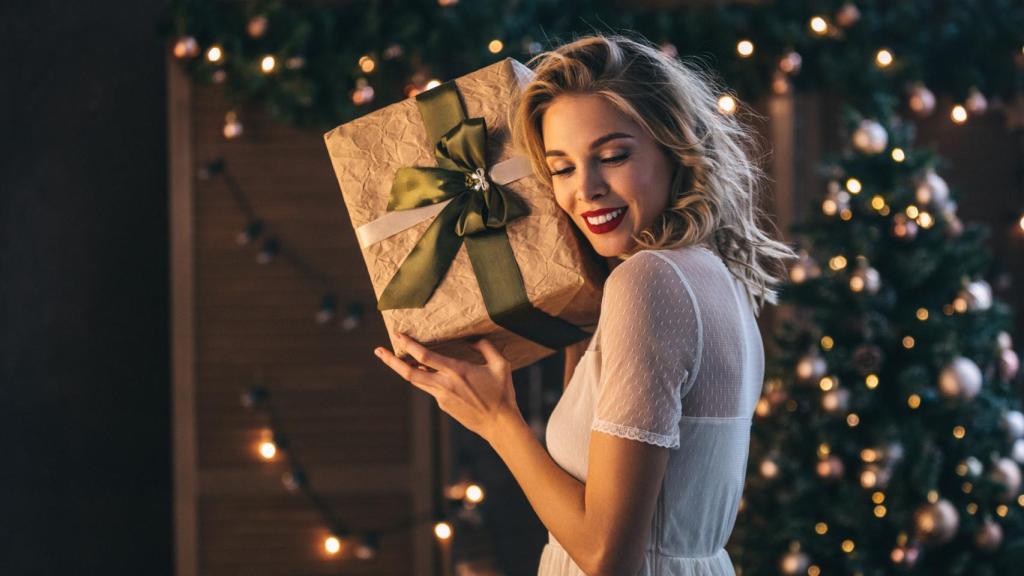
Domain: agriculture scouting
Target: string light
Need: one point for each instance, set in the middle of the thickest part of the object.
(827, 343)
(922, 314)
(495, 46)
(914, 401)
(837, 263)
(871, 381)
(332, 544)
(818, 25)
(215, 53)
(821, 528)
(267, 64)
(186, 47)
(443, 530)
(232, 126)
(958, 114)
(745, 48)
(726, 104)
(853, 185)
(433, 84)
(366, 64)
(908, 342)
(883, 58)
(898, 155)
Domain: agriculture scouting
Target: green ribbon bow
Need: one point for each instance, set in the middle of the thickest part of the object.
(477, 215)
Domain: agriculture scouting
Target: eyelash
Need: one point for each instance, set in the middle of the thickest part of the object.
(610, 159)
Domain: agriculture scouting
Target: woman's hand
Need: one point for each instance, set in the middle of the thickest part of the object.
(479, 396)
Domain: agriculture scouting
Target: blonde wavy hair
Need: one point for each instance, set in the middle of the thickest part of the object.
(716, 187)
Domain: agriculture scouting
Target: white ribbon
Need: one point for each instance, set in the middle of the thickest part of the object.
(394, 222)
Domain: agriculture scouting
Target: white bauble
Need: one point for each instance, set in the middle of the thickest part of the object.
(1007, 472)
(932, 189)
(936, 523)
(978, 295)
(1017, 452)
(922, 100)
(1009, 364)
(960, 379)
(870, 137)
(1013, 422)
(974, 466)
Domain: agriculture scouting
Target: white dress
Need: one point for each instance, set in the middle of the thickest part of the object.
(676, 361)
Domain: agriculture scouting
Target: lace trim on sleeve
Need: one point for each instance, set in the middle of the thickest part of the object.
(631, 433)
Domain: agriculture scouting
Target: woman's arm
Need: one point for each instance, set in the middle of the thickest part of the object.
(604, 525)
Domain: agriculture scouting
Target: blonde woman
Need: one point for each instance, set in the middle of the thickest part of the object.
(649, 442)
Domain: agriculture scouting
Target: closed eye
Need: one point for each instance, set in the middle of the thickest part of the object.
(610, 160)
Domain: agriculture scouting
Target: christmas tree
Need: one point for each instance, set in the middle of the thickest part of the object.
(888, 436)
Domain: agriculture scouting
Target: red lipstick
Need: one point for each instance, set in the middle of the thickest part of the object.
(607, 226)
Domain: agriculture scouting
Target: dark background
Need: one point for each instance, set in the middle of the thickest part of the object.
(85, 411)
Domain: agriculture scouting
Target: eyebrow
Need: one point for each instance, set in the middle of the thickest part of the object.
(594, 144)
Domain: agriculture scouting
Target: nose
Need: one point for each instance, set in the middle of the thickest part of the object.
(591, 183)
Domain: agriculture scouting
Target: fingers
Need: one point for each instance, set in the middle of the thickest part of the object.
(490, 353)
(419, 377)
(427, 357)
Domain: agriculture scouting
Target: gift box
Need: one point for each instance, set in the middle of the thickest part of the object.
(460, 239)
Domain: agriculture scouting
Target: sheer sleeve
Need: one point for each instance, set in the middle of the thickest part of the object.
(650, 342)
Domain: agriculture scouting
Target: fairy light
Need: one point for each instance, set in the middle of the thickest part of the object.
(826, 342)
(332, 545)
(908, 342)
(495, 46)
(474, 494)
(925, 220)
(912, 211)
(267, 64)
(215, 53)
(871, 381)
(837, 263)
(848, 545)
(1020, 223)
(960, 305)
(878, 497)
(829, 207)
(877, 202)
(845, 214)
(853, 185)
(443, 530)
(922, 314)
(186, 47)
(824, 450)
(958, 114)
(821, 528)
(366, 64)
(1002, 509)
(883, 58)
(869, 455)
(852, 420)
(959, 432)
(898, 155)
(763, 407)
(818, 25)
(726, 104)
(745, 48)
(880, 511)
(434, 83)
(268, 450)
(826, 383)
(914, 401)
(967, 487)
(972, 508)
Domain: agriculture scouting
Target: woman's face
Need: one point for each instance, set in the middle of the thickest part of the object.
(609, 175)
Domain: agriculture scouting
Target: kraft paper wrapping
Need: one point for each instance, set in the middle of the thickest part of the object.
(561, 272)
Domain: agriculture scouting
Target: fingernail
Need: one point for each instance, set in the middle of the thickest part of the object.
(376, 351)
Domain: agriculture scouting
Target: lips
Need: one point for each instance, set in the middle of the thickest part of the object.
(605, 225)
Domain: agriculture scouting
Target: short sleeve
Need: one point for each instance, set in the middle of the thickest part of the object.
(650, 340)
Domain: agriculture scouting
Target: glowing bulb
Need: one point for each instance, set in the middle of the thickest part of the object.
(878, 497)
(819, 26)
(826, 342)
(763, 407)
(474, 493)
(852, 420)
(879, 511)
(829, 207)
(837, 262)
(871, 381)
(914, 401)
(1020, 223)
(726, 104)
(826, 383)
(958, 115)
(883, 58)
(495, 46)
(853, 185)
(922, 314)
(1002, 509)
(877, 202)
(925, 220)
(332, 545)
(745, 48)
(912, 211)
(821, 528)
(215, 53)
(848, 545)
(366, 64)
(433, 84)
(908, 342)
(959, 432)
(443, 530)
(268, 450)
(898, 155)
(769, 469)
(267, 64)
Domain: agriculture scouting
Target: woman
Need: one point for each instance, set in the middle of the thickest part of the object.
(648, 445)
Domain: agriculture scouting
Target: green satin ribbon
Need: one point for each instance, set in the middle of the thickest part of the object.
(477, 215)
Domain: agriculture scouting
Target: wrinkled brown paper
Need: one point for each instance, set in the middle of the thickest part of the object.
(562, 274)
